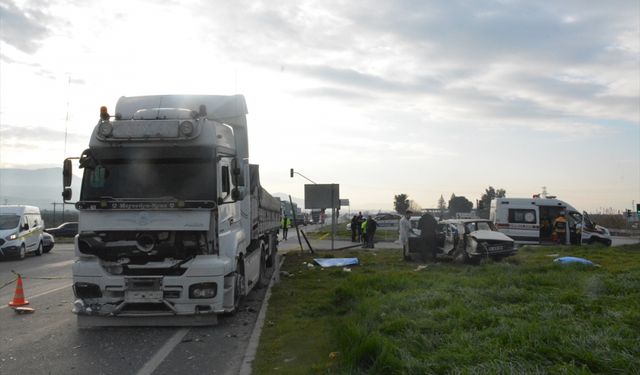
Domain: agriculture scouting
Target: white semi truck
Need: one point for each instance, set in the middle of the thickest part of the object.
(174, 226)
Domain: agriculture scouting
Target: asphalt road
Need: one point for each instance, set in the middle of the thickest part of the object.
(49, 342)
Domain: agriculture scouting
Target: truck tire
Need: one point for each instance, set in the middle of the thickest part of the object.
(237, 285)
(263, 280)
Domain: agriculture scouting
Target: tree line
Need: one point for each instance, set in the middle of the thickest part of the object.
(456, 204)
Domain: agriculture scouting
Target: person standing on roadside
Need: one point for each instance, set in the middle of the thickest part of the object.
(355, 224)
(359, 227)
(363, 231)
(405, 230)
(428, 226)
(285, 227)
(372, 225)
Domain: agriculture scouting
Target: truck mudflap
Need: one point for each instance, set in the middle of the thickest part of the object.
(91, 321)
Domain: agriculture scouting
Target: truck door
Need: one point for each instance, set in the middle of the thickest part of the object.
(229, 214)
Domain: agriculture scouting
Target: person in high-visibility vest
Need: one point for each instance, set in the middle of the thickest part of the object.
(363, 226)
(285, 227)
(560, 228)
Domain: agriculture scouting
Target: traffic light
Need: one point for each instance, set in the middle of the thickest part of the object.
(628, 213)
(291, 173)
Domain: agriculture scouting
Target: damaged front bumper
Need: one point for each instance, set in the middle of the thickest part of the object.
(192, 298)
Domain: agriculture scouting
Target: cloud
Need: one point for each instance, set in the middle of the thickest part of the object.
(23, 28)
(13, 136)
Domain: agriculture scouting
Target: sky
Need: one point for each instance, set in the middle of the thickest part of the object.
(425, 98)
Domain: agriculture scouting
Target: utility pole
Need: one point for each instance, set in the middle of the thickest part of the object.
(54, 212)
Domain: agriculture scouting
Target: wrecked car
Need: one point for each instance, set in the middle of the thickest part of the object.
(469, 240)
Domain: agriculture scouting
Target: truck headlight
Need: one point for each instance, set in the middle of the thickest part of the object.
(12, 236)
(186, 128)
(105, 129)
(203, 290)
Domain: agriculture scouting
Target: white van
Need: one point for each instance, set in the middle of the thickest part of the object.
(530, 220)
(21, 229)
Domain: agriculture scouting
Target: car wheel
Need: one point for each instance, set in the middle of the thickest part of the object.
(23, 252)
(460, 256)
(605, 241)
(39, 249)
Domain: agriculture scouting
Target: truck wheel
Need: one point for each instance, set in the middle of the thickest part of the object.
(39, 249)
(263, 280)
(237, 287)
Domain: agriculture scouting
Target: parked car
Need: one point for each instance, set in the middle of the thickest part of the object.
(469, 240)
(47, 242)
(64, 230)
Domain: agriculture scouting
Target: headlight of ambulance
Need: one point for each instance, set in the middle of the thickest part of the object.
(203, 290)
(12, 236)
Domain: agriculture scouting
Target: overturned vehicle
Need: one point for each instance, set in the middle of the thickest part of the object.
(466, 240)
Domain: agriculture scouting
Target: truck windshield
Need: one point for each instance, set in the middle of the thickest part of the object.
(162, 179)
(9, 221)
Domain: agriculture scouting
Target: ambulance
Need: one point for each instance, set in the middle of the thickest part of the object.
(530, 221)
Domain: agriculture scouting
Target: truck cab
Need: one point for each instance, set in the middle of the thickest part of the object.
(173, 221)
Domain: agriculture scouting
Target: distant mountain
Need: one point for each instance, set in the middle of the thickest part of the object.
(34, 187)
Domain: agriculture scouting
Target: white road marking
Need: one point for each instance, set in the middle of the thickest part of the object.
(161, 354)
(41, 294)
(60, 264)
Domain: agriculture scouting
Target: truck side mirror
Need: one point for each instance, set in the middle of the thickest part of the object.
(236, 170)
(235, 194)
(66, 173)
(66, 194)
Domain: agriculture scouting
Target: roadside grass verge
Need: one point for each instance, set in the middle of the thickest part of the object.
(522, 315)
(324, 233)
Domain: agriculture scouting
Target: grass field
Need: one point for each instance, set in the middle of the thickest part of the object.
(523, 315)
